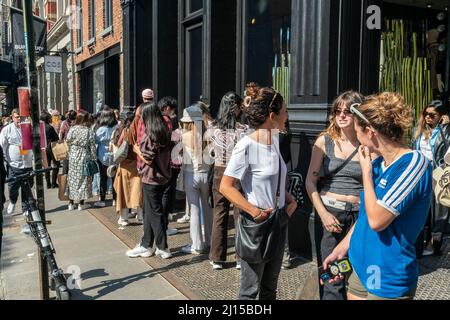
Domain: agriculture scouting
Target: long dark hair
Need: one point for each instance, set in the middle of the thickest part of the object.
(155, 126)
(227, 117)
(107, 118)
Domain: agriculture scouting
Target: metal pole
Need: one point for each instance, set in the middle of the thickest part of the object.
(34, 106)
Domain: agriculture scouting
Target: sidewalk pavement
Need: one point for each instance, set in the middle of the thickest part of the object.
(85, 250)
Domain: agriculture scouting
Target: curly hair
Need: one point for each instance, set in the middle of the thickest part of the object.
(260, 104)
(388, 114)
(347, 98)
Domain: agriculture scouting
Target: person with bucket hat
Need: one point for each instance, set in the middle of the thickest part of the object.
(196, 169)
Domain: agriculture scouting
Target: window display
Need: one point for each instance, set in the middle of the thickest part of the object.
(268, 43)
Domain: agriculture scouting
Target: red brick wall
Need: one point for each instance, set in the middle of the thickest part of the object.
(101, 43)
(51, 9)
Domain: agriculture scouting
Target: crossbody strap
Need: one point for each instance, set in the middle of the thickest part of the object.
(279, 183)
(342, 166)
(444, 140)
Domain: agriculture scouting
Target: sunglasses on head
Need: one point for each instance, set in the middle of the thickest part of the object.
(354, 110)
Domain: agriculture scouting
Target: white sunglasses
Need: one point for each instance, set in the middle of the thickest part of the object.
(354, 110)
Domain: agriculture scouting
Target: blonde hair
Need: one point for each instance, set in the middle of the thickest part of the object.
(347, 98)
(389, 114)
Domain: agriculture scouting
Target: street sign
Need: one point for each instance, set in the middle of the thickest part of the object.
(53, 64)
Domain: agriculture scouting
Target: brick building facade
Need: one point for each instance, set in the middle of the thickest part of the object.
(96, 36)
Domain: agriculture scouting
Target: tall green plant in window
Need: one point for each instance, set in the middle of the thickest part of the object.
(402, 69)
(281, 72)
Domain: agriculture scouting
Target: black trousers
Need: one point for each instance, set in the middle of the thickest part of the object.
(104, 182)
(439, 223)
(155, 217)
(169, 195)
(51, 183)
(25, 191)
(1, 232)
(326, 242)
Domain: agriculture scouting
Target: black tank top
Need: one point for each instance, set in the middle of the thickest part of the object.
(348, 181)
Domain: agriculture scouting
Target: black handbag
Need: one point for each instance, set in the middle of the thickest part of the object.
(261, 242)
(90, 167)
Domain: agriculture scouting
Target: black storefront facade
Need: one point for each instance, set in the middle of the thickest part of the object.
(100, 80)
(195, 49)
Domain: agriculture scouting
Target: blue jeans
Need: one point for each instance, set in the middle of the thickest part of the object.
(260, 279)
(96, 184)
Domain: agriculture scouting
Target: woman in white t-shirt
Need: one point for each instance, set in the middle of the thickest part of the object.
(256, 164)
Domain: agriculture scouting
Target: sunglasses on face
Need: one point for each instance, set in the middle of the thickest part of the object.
(432, 115)
(339, 112)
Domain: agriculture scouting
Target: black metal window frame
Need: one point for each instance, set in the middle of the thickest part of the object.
(92, 32)
(79, 13)
(108, 13)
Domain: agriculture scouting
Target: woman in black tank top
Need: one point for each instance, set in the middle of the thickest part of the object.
(334, 183)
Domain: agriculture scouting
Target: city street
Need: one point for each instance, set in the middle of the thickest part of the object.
(91, 242)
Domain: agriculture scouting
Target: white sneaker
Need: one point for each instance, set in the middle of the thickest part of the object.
(122, 222)
(189, 250)
(70, 207)
(100, 204)
(164, 254)
(11, 208)
(184, 219)
(82, 207)
(132, 215)
(140, 252)
(172, 232)
(238, 265)
(216, 265)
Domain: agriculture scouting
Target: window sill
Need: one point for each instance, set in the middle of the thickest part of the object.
(79, 50)
(107, 31)
(91, 42)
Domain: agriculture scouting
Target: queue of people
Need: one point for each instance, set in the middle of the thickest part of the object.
(370, 186)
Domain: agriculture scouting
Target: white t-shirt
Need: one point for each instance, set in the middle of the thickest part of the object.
(257, 166)
(425, 147)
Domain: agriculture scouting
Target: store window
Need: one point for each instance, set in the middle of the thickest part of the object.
(194, 63)
(195, 5)
(414, 52)
(268, 30)
(98, 86)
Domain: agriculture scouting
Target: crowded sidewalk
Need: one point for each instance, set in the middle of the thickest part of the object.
(94, 254)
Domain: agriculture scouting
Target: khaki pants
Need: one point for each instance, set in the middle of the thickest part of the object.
(356, 288)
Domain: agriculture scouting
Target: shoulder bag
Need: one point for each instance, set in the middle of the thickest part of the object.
(261, 242)
(441, 178)
(122, 152)
(90, 167)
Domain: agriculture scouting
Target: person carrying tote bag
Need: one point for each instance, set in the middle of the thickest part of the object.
(256, 164)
